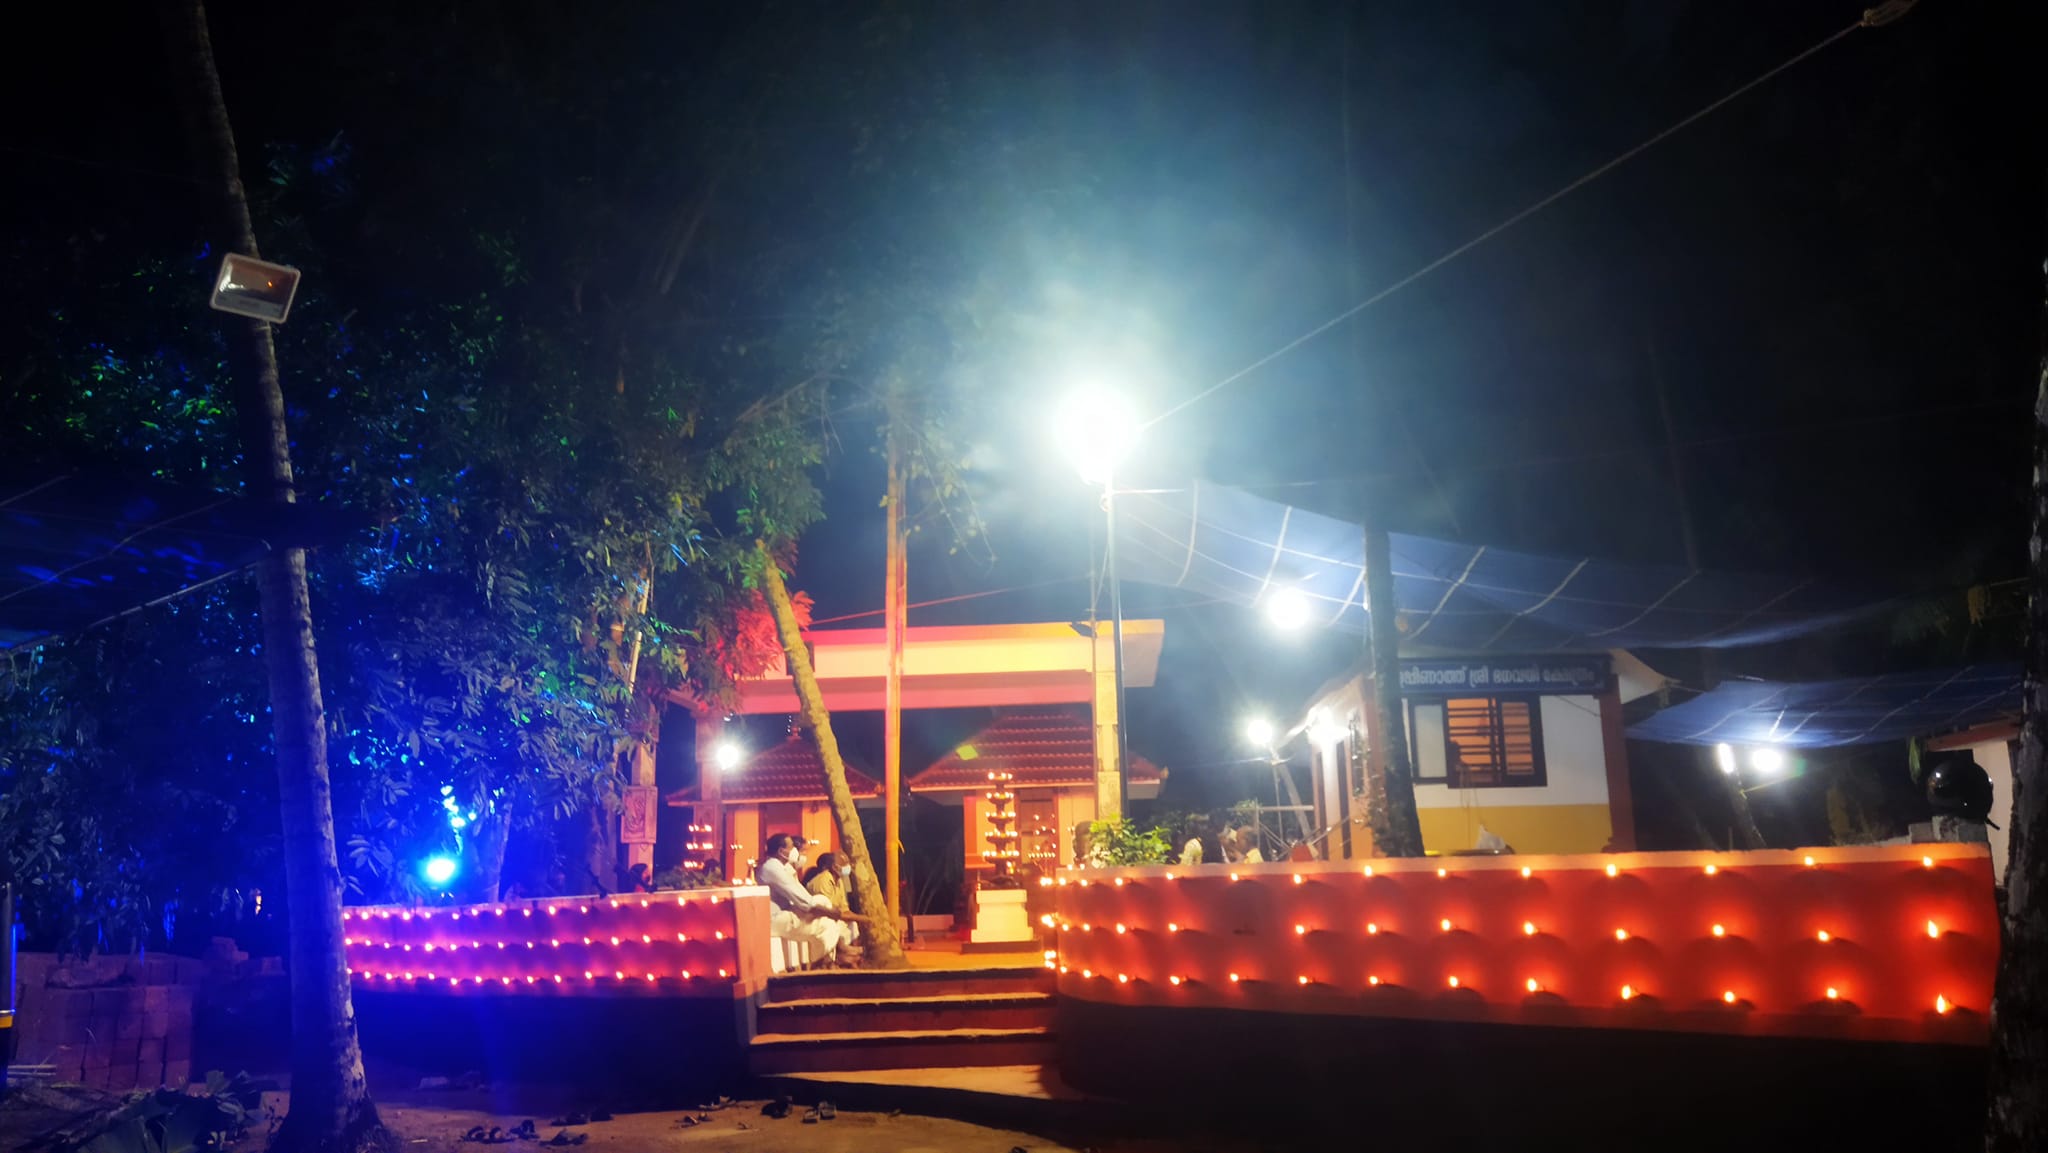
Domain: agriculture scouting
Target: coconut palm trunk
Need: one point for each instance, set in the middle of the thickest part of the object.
(330, 1102)
(882, 950)
(2018, 1118)
(1397, 826)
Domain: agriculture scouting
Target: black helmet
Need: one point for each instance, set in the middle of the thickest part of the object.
(1959, 789)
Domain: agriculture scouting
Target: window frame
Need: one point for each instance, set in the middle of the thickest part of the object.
(1494, 779)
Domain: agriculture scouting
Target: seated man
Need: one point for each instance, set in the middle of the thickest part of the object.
(829, 881)
(795, 912)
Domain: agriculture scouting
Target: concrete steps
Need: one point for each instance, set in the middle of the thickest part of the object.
(847, 983)
(906, 1014)
(777, 1053)
(847, 1020)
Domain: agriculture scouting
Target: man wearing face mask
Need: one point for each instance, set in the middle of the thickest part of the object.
(797, 913)
(829, 880)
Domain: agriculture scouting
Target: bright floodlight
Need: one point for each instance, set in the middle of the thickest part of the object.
(1286, 608)
(1766, 759)
(1324, 730)
(1259, 731)
(1096, 431)
(727, 756)
(438, 870)
(1724, 756)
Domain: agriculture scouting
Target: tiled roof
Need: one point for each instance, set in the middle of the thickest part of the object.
(790, 771)
(1040, 748)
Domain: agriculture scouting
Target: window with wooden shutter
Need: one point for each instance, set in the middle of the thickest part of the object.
(1492, 743)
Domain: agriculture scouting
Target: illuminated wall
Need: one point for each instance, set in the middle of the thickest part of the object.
(702, 943)
(1895, 943)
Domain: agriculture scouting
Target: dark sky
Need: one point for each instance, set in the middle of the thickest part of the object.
(1835, 278)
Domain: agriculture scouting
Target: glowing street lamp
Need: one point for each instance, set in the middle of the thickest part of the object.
(1096, 431)
(1286, 609)
(1724, 758)
(1259, 731)
(727, 756)
(1324, 730)
(1767, 759)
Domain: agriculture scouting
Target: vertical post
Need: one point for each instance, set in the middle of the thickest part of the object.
(1397, 830)
(1116, 634)
(711, 792)
(6, 982)
(895, 610)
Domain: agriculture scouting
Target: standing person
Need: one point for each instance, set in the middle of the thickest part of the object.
(1191, 851)
(796, 913)
(828, 880)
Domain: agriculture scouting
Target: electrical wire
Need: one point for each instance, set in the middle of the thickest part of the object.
(953, 600)
(1990, 407)
(1871, 18)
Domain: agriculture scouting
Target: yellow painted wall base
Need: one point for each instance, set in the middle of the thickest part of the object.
(1527, 828)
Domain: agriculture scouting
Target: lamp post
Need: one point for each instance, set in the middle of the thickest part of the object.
(1096, 431)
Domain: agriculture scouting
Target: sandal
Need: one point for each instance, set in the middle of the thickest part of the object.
(827, 1111)
(810, 1116)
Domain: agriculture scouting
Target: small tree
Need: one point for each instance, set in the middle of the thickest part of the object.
(1119, 841)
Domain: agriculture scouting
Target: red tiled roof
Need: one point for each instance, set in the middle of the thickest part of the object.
(1040, 748)
(790, 771)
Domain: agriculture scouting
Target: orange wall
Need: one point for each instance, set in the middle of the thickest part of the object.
(704, 943)
(1126, 934)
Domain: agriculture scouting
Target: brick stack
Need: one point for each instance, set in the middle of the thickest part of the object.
(133, 1032)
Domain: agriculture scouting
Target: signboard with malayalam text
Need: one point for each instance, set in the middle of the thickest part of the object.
(1579, 675)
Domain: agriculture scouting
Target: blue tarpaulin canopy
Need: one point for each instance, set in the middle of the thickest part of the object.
(77, 550)
(1461, 597)
(1856, 711)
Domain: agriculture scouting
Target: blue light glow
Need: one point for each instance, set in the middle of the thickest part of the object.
(438, 870)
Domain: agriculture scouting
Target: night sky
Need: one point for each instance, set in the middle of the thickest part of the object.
(1835, 279)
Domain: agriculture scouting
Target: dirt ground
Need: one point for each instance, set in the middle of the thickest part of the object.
(436, 1123)
(425, 1128)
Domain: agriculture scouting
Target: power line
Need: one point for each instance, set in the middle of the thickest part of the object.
(953, 600)
(1557, 459)
(1871, 18)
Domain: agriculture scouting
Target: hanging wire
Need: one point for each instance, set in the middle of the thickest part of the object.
(1872, 18)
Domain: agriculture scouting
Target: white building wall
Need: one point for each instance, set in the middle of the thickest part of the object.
(1574, 758)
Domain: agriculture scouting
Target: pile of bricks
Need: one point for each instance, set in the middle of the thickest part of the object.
(119, 1024)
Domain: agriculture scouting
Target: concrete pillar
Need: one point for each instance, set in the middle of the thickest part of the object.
(1108, 769)
(640, 777)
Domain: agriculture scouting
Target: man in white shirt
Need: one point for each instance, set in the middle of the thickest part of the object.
(797, 912)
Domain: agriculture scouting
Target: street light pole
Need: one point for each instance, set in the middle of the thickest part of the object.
(1096, 431)
(1116, 641)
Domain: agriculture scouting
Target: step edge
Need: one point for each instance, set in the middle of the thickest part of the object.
(907, 1036)
(1000, 999)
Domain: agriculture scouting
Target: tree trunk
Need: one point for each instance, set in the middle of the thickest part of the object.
(1397, 830)
(330, 1102)
(2018, 1118)
(882, 949)
(488, 836)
